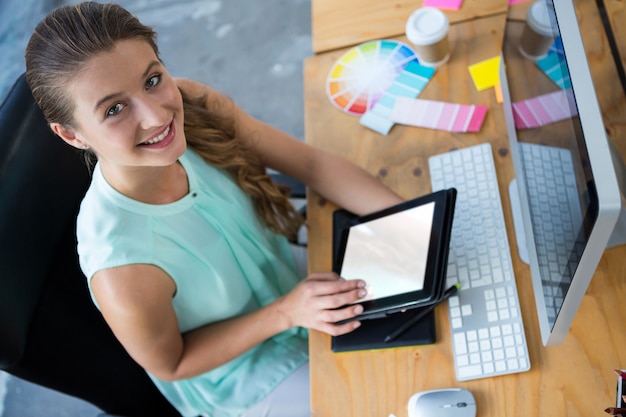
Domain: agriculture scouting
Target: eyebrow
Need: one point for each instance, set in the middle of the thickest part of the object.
(114, 95)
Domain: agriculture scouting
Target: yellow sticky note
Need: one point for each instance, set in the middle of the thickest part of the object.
(485, 73)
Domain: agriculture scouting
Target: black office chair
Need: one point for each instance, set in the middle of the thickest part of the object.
(50, 332)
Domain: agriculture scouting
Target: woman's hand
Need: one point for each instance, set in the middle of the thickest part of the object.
(318, 303)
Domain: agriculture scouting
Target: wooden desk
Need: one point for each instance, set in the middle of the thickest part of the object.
(573, 379)
(337, 24)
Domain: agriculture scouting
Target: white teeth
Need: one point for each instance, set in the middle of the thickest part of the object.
(158, 138)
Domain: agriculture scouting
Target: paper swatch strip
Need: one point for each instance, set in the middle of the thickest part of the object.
(554, 67)
(409, 84)
(438, 115)
(544, 109)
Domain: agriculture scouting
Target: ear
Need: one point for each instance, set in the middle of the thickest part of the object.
(68, 135)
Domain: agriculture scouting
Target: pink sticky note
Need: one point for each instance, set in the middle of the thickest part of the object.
(517, 1)
(444, 4)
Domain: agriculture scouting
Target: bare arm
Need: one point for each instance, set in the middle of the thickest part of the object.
(337, 179)
(136, 301)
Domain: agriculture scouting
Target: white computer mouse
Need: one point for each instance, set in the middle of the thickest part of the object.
(451, 402)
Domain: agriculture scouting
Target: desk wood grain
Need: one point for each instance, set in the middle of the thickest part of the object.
(573, 379)
(337, 24)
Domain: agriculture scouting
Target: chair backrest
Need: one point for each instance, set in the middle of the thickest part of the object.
(52, 334)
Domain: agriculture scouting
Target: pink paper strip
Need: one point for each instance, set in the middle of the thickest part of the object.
(446, 116)
(461, 119)
(542, 110)
(554, 108)
(438, 115)
(525, 114)
(477, 119)
(519, 122)
(433, 115)
(562, 103)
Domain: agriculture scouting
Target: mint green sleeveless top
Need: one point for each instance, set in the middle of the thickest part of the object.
(224, 262)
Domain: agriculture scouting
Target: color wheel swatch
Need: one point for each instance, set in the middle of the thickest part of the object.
(361, 76)
(410, 83)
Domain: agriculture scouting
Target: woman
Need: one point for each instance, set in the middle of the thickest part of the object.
(182, 235)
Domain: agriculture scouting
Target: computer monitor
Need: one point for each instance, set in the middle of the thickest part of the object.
(554, 123)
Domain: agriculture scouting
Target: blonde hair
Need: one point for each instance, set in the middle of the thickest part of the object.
(71, 35)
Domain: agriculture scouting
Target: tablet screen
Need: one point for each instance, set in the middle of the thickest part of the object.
(390, 253)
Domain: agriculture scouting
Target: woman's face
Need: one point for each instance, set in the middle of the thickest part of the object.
(128, 109)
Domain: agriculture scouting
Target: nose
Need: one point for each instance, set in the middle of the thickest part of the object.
(151, 112)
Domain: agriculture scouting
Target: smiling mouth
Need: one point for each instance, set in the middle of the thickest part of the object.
(158, 138)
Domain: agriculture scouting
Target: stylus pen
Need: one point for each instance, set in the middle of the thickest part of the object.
(415, 319)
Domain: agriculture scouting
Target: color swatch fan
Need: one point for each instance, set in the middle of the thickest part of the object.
(362, 75)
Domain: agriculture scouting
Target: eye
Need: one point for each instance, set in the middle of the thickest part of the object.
(114, 109)
(153, 81)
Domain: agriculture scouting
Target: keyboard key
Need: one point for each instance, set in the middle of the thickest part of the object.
(460, 346)
(469, 371)
(466, 310)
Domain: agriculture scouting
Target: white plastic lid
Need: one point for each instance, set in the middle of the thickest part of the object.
(426, 26)
(539, 19)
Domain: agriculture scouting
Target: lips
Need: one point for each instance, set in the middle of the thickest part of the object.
(162, 139)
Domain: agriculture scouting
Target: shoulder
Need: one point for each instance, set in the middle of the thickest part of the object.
(107, 232)
(105, 210)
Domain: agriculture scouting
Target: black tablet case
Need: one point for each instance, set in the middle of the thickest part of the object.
(371, 334)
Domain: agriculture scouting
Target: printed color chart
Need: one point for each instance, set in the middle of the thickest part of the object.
(410, 83)
(438, 115)
(361, 76)
(542, 110)
(554, 66)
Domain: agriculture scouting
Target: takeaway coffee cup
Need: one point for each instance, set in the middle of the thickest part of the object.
(537, 35)
(427, 29)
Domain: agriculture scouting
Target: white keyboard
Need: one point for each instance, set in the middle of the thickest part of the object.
(557, 218)
(485, 320)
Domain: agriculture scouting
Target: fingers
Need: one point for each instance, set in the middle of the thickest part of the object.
(340, 314)
(324, 299)
(331, 283)
(340, 329)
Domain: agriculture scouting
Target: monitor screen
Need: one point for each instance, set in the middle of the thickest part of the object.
(565, 197)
